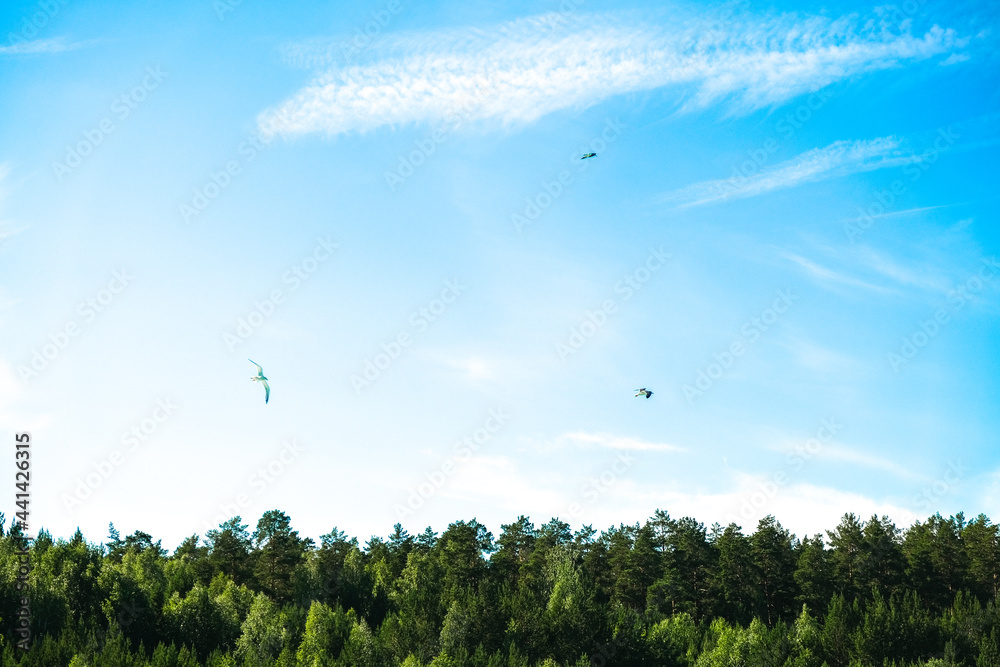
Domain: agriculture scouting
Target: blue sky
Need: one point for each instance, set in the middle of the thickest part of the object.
(789, 234)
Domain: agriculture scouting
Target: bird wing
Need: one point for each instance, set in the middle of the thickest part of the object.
(267, 390)
(260, 371)
(648, 394)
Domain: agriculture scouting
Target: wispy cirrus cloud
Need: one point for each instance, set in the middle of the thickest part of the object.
(520, 71)
(826, 275)
(36, 46)
(838, 159)
(855, 457)
(926, 276)
(909, 211)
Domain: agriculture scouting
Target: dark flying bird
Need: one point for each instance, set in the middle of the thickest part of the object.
(589, 155)
(260, 378)
(642, 391)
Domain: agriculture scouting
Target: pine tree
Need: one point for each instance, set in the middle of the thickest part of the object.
(229, 550)
(774, 565)
(982, 546)
(279, 552)
(814, 573)
(846, 542)
(882, 564)
(736, 579)
(836, 635)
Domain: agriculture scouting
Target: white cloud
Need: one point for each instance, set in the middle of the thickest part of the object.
(823, 359)
(472, 367)
(525, 69)
(610, 441)
(608, 494)
(36, 46)
(497, 480)
(955, 58)
(846, 455)
(828, 275)
(988, 501)
(840, 158)
(548, 491)
(923, 277)
(909, 211)
(806, 509)
(802, 508)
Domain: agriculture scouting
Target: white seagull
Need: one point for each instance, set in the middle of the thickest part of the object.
(260, 378)
(642, 391)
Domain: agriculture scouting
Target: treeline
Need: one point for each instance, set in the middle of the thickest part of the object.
(668, 592)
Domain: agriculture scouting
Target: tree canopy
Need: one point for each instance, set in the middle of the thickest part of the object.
(665, 592)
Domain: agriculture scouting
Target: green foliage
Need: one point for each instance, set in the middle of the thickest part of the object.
(814, 573)
(674, 641)
(736, 575)
(774, 565)
(263, 633)
(664, 592)
(279, 550)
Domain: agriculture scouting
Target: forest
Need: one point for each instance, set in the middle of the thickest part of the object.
(667, 592)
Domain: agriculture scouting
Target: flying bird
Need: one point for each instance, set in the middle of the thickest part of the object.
(589, 155)
(260, 378)
(642, 391)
